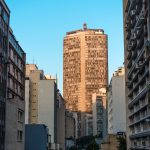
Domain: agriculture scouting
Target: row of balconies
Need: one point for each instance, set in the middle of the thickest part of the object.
(136, 42)
(133, 68)
(139, 117)
(136, 82)
(135, 20)
(137, 25)
(17, 76)
(19, 65)
(137, 77)
(138, 107)
(138, 95)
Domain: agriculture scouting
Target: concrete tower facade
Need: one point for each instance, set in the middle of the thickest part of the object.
(137, 72)
(85, 67)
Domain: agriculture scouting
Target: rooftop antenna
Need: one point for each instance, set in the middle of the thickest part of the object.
(33, 60)
(36, 62)
(84, 26)
(56, 79)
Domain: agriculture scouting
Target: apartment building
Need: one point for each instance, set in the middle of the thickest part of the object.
(39, 133)
(99, 113)
(45, 104)
(116, 103)
(61, 121)
(85, 67)
(4, 33)
(89, 124)
(15, 104)
(42, 100)
(70, 130)
(137, 52)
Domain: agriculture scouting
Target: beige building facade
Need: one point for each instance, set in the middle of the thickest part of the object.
(42, 100)
(110, 143)
(85, 67)
(45, 104)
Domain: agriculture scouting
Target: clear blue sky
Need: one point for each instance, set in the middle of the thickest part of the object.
(40, 25)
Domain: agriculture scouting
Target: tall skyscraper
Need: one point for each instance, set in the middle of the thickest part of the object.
(137, 72)
(85, 67)
(4, 32)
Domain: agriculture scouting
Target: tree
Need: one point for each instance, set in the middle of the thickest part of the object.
(93, 145)
(122, 143)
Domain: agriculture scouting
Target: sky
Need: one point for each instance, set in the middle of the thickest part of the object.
(40, 26)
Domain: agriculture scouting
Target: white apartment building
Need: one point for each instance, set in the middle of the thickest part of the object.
(116, 103)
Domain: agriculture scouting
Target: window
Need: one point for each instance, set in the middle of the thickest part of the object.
(6, 17)
(0, 9)
(20, 115)
(19, 135)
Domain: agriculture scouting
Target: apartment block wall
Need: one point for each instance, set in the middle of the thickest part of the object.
(61, 109)
(42, 100)
(116, 103)
(15, 104)
(99, 113)
(27, 100)
(47, 99)
(4, 32)
(137, 46)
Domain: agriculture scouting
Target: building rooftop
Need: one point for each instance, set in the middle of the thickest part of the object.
(85, 28)
(15, 43)
(119, 72)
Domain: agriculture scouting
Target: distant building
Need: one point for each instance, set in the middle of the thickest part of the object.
(85, 67)
(89, 124)
(110, 143)
(61, 126)
(70, 125)
(37, 137)
(99, 113)
(15, 104)
(116, 103)
(4, 34)
(80, 124)
(70, 130)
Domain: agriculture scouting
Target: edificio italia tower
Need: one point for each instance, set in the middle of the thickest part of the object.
(85, 67)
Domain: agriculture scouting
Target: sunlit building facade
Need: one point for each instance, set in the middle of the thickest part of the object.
(85, 67)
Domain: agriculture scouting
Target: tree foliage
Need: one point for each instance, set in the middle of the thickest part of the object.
(122, 143)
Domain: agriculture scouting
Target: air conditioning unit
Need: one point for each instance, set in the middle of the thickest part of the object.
(126, 25)
(1, 55)
(143, 143)
(147, 43)
(137, 31)
(142, 16)
(137, 66)
(134, 36)
(141, 62)
(133, 12)
(135, 143)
